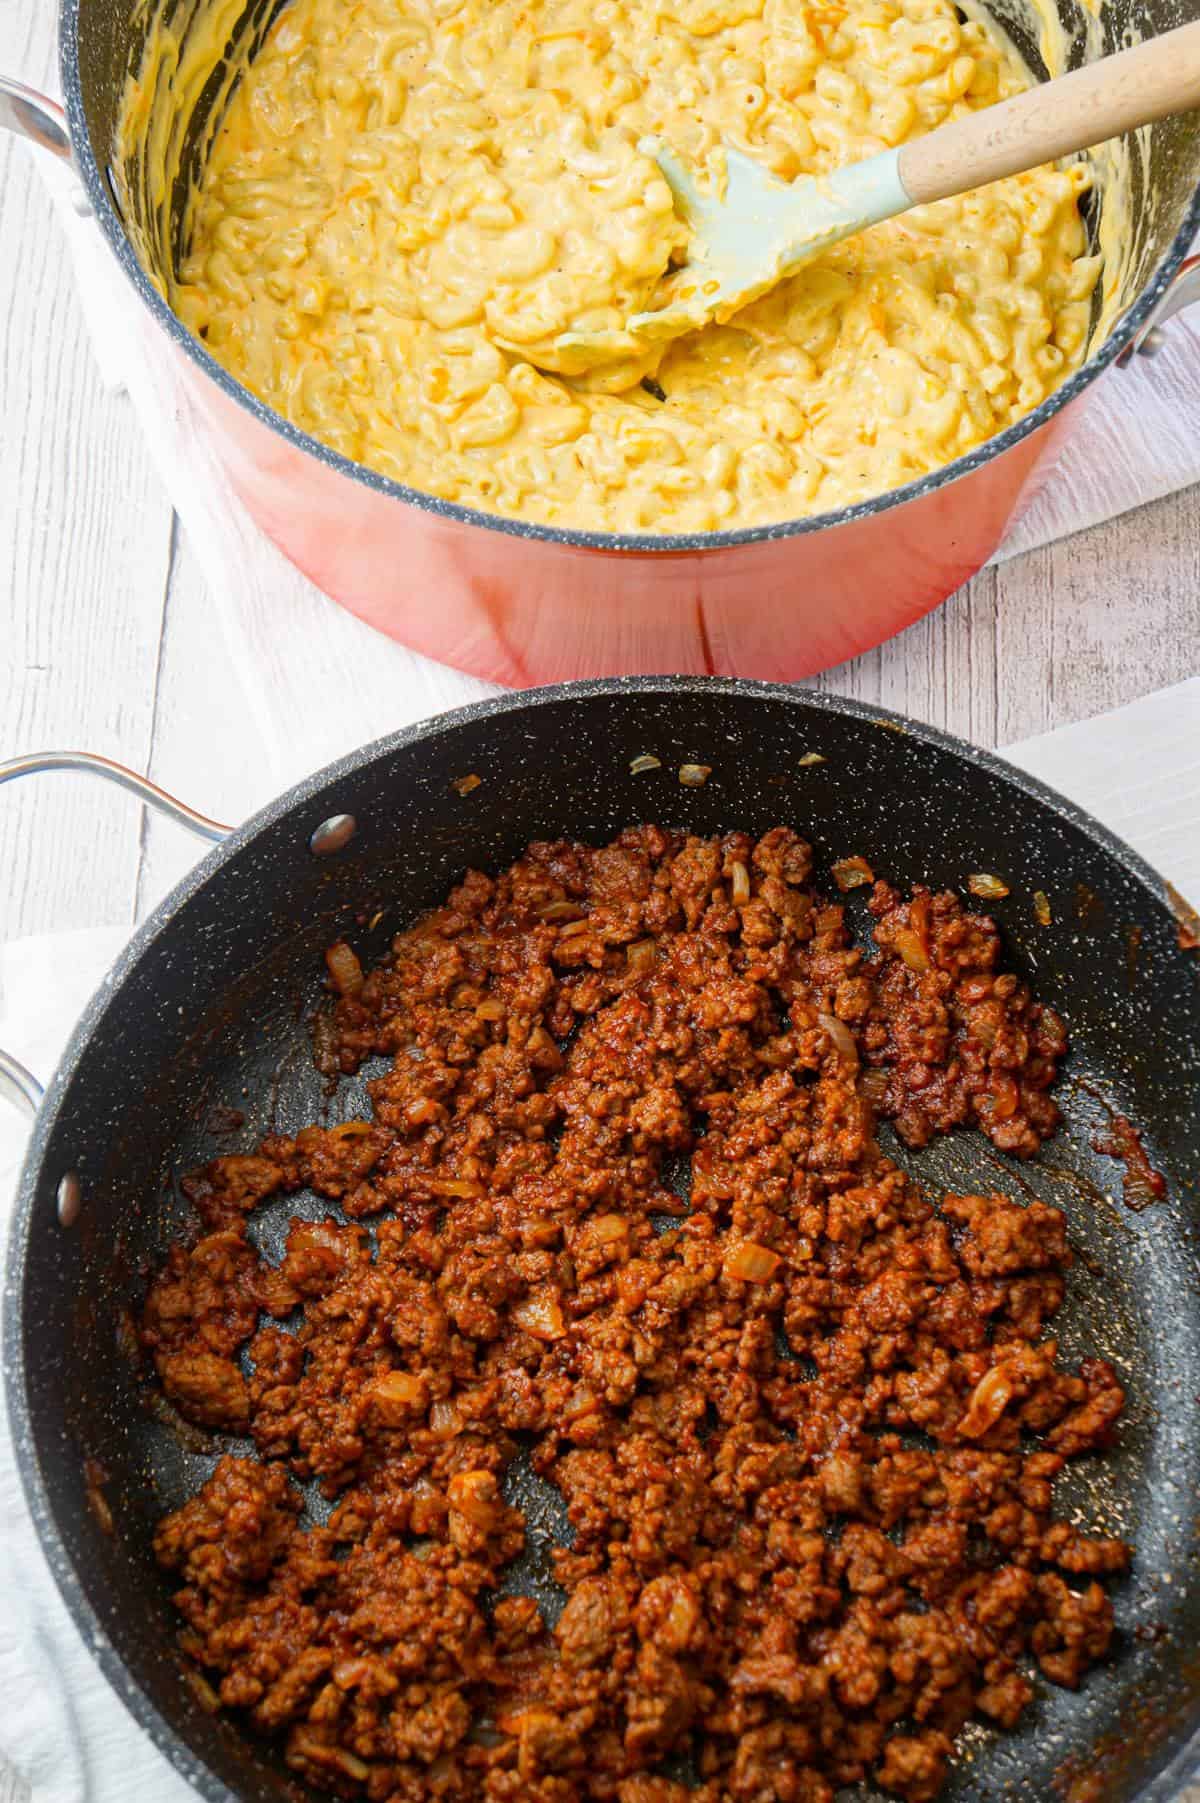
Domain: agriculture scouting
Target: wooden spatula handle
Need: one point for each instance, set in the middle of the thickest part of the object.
(1051, 120)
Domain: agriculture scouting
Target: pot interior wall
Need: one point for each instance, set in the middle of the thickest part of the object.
(214, 1016)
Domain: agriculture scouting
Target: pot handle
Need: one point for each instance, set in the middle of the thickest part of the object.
(18, 1085)
(34, 116)
(1182, 291)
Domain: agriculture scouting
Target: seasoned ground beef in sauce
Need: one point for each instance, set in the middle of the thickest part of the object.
(806, 1438)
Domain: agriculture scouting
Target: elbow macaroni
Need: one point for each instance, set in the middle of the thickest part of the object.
(407, 202)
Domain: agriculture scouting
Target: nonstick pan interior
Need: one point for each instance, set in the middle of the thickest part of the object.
(206, 1019)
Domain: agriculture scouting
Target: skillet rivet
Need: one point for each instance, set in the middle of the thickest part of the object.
(70, 1200)
(332, 835)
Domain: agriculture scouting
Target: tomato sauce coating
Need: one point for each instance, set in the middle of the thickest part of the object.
(803, 1424)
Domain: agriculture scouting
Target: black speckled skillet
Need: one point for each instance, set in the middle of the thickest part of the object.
(207, 1009)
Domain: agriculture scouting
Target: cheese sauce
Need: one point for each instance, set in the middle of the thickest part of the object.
(406, 202)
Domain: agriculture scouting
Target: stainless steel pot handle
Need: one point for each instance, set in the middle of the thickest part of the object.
(43, 122)
(34, 116)
(18, 1085)
(1183, 291)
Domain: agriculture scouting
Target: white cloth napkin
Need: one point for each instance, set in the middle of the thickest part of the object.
(1137, 769)
(1135, 436)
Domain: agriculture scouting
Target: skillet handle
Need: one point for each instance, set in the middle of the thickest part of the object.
(34, 762)
(18, 1085)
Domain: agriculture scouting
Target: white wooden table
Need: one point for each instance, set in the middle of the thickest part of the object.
(106, 639)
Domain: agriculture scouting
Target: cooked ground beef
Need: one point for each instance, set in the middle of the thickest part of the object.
(805, 1438)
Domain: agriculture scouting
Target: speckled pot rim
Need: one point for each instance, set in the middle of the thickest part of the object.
(96, 183)
(303, 798)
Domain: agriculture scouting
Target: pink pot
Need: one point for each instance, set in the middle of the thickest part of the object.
(526, 604)
(522, 607)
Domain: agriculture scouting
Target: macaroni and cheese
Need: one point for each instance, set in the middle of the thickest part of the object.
(408, 202)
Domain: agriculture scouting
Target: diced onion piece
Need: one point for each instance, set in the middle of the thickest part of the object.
(810, 758)
(752, 1263)
(351, 1764)
(529, 1725)
(679, 1622)
(989, 888)
(476, 1495)
(990, 1398)
(397, 1394)
(308, 1743)
(350, 1130)
(420, 1112)
(1001, 1100)
(581, 1401)
(604, 1230)
(641, 956)
(852, 873)
(560, 910)
(539, 1315)
(912, 949)
(445, 1420)
(348, 1674)
(841, 1038)
(465, 784)
(399, 1386)
(98, 1502)
(739, 885)
(343, 966)
(1041, 908)
(454, 1186)
(694, 776)
(203, 1691)
(643, 763)
(325, 1043)
(874, 1085)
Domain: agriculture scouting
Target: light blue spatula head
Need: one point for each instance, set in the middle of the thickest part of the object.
(758, 231)
(743, 242)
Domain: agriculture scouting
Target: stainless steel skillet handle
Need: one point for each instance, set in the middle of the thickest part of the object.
(18, 1085)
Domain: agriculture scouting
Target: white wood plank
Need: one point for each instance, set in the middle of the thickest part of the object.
(205, 746)
(1099, 619)
(942, 670)
(84, 531)
(1051, 637)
